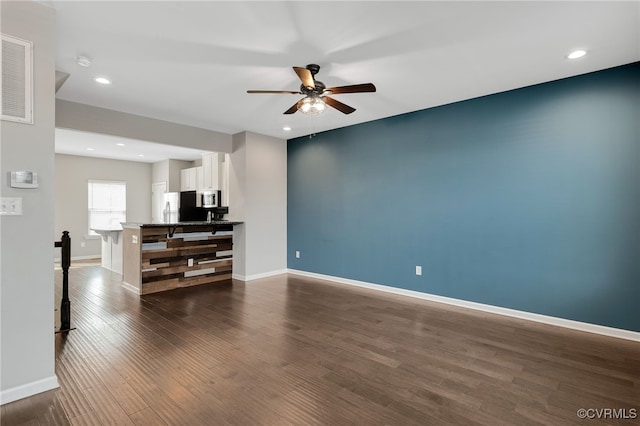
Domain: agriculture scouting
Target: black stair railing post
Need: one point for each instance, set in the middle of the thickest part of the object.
(65, 305)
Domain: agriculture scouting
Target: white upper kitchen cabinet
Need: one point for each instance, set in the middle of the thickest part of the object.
(210, 171)
(188, 179)
(199, 179)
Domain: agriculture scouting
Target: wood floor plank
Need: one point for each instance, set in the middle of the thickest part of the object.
(289, 350)
(87, 419)
(106, 407)
(146, 417)
(127, 398)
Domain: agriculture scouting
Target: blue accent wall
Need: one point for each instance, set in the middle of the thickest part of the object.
(527, 199)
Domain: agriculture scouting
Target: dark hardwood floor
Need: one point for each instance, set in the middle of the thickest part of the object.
(289, 350)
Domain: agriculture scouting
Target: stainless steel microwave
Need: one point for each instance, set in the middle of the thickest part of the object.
(210, 198)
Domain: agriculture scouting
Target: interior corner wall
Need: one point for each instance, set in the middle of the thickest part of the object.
(527, 199)
(26, 256)
(258, 194)
(237, 189)
(168, 171)
(266, 205)
(175, 166)
(160, 172)
(72, 174)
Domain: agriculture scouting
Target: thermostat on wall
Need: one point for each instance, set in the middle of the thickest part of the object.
(24, 179)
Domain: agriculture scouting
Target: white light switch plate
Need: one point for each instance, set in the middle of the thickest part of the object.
(11, 206)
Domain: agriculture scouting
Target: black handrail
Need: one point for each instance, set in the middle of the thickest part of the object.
(65, 304)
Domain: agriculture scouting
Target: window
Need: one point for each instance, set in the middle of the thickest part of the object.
(107, 204)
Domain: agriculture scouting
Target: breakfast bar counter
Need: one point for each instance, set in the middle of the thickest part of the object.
(111, 253)
(164, 256)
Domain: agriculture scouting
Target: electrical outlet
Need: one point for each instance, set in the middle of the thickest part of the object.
(418, 270)
(297, 254)
(190, 262)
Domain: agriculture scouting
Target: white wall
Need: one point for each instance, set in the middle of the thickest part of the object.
(71, 197)
(169, 171)
(237, 183)
(26, 256)
(175, 166)
(160, 172)
(258, 196)
(266, 205)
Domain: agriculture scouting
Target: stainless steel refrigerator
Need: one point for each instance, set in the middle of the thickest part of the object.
(170, 213)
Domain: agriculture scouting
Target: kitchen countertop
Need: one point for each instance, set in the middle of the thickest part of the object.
(136, 225)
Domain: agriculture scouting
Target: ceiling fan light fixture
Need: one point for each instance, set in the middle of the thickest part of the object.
(316, 100)
(312, 105)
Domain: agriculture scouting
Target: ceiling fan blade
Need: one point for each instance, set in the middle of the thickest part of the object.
(354, 88)
(344, 108)
(293, 109)
(274, 91)
(305, 76)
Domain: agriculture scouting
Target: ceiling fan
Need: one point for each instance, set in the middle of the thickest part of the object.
(316, 93)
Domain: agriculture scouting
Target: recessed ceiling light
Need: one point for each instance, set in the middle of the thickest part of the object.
(102, 80)
(90, 149)
(286, 128)
(83, 61)
(120, 144)
(576, 54)
(140, 155)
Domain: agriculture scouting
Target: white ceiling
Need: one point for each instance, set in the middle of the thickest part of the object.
(192, 62)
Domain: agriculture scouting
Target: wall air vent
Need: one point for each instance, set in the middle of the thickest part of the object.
(17, 80)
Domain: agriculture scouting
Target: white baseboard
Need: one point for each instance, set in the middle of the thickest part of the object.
(561, 322)
(131, 287)
(258, 276)
(58, 260)
(29, 389)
